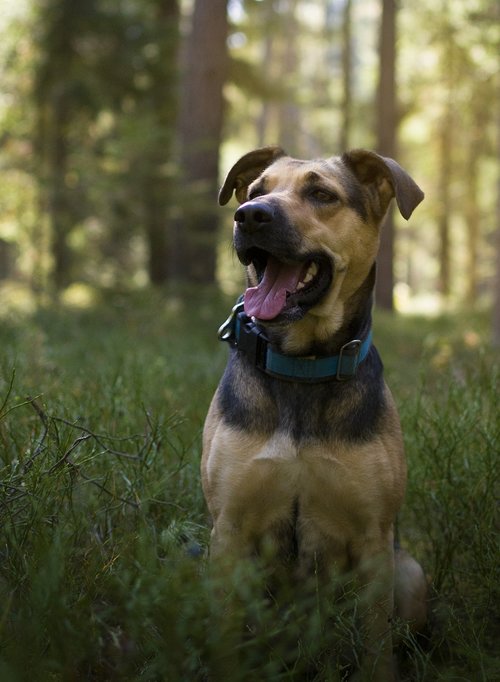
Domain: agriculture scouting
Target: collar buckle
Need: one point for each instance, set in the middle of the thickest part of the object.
(348, 360)
(251, 340)
(227, 330)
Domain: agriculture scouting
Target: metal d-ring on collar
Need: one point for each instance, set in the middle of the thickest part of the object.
(241, 332)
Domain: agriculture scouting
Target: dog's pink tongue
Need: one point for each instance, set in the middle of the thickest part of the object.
(268, 299)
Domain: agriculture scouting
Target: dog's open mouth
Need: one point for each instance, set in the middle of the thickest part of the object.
(288, 286)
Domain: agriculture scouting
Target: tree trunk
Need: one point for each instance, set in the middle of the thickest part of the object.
(288, 111)
(386, 145)
(155, 218)
(5, 259)
(346, 76)
(472, 220)
(158, 188)
(496, 281)
(56, 100)
(54, 109)
(59, 202)
(496, 285)
(444, 206)
(267, 61)
(201, 132)
(446, 168)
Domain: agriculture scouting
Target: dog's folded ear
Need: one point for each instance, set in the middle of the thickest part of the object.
(246, 170)
(385, 179)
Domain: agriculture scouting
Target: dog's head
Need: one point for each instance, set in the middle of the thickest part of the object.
(308, 231)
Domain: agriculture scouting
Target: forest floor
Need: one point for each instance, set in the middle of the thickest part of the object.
(103, 527)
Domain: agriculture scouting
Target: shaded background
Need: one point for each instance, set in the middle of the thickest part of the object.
(118, 119)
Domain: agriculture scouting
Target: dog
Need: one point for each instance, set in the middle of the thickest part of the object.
(302, 445)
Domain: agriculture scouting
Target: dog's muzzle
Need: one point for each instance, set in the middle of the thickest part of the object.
(290, 280)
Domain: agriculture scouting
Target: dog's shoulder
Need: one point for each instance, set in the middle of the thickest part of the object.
(244, 397)
(350, 410)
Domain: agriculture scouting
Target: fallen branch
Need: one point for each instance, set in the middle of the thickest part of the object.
(108, 492)
(99, 438)
(65, 457)
(45, 421)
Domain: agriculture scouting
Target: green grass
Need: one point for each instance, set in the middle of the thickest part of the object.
(102, 516)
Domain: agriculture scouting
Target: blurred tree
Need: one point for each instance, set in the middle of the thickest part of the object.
(267, 62)
(136, 86)
(61, 96)
(386, 128)
(496, 278)
(273, 79)
(288, 111)
(474, 152)
(446, 126)
(201, 119)
(346, 76)
(105, 81)
(478, 104)
(161, 103)
(5, 259)
(291, 65)
(463, 128)
(105, 93)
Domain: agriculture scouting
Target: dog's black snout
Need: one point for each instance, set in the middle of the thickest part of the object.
(253, 215)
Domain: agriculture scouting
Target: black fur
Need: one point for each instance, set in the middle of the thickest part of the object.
(348, 410)
(333, 410)
(356, 196)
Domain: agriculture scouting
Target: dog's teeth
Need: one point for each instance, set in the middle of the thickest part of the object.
(300, 285)
(312, 271)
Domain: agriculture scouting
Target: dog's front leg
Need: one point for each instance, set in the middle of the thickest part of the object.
(376, 574)
(227, 550)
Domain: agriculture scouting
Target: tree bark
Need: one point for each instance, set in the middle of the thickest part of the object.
(288, 111)
(346, 76)
(446, 165)
(496, 280)
(472, 220)
(5, 259)
(267, 61)
(55, 108)
(201, 123)
(59, 201)
(386, 145)
(158, 188)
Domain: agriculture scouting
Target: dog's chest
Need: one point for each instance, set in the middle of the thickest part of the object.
(328, 411)
(305, 455)
(263, 483)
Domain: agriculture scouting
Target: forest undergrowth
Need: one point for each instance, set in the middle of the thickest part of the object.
(103, 527)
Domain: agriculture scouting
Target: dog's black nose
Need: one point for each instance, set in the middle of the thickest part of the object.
(253, 215)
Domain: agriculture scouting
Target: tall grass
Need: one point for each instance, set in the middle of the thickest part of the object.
(103, 573)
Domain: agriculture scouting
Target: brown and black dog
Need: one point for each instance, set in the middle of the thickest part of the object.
(302, 442)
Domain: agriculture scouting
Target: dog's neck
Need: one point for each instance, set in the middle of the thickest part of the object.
(324, 331)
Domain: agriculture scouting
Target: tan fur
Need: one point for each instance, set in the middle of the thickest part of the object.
(341, 234)
(236, 468)
(349, 493)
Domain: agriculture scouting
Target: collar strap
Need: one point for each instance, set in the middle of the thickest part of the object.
(241, 332)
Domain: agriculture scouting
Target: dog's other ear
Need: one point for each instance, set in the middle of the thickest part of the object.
(386, 179)
(246, 170)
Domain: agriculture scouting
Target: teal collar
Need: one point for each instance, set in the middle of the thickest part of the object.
(241, 332)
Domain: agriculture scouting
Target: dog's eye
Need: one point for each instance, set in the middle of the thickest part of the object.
(253, 194)
(324, 196)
